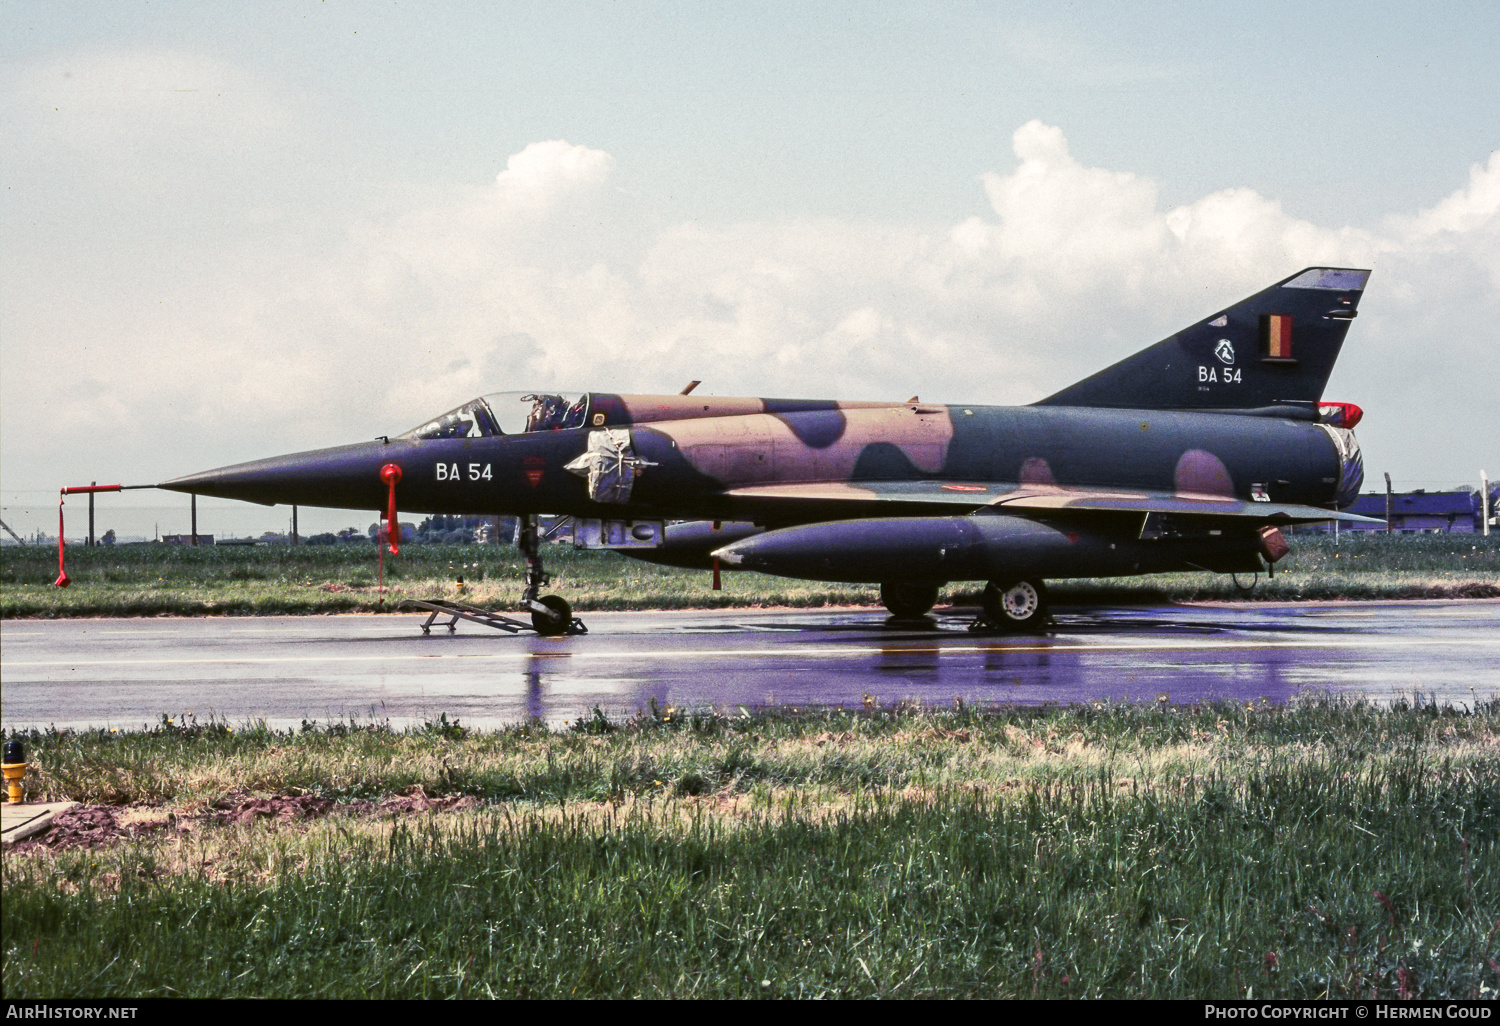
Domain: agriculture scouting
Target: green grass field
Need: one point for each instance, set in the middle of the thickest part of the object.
(1321, 850)
(152, 580)
(1324, 849)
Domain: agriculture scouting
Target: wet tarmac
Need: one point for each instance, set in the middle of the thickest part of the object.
(128, 673)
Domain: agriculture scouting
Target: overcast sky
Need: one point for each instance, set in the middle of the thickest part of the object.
(237, 230)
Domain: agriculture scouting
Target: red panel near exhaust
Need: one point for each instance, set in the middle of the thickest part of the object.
(1343, 415)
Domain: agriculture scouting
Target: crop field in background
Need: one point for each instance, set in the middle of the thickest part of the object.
(1325, 849)
(150, 580)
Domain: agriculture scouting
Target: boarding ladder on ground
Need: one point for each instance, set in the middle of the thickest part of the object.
(456, 611)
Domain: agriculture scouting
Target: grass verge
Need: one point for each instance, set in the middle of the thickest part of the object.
(161, 580)
(1324, 849)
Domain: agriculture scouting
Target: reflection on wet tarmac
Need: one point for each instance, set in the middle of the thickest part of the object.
(284, 670)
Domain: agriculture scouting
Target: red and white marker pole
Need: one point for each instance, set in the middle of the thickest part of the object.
(63, 580)
(62, 575)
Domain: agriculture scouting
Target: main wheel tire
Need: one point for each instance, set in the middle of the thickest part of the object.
(558, 622)
(908, 600)
(1016, 605)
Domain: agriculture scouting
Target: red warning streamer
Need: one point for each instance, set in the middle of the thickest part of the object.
(390, 474)
(62, 575)
(63, 580)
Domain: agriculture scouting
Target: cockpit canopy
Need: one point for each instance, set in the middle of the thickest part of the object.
(508, 413)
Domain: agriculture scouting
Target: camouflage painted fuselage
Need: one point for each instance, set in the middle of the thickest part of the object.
(1104, 477)
(803, 462)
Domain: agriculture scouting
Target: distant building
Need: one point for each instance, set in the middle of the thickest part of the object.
(184, 539)
(1418, 512)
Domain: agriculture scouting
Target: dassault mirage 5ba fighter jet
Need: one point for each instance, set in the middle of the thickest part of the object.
(1189, 455)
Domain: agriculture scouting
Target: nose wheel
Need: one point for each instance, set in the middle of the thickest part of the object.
(558, 618)
(551, 616)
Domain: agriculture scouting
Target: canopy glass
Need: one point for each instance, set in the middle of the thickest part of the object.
(508, 413)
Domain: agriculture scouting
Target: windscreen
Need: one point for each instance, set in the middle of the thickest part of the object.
(508, 413)
(471, 420)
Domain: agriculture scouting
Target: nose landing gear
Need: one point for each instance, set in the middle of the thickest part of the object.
(551, 616)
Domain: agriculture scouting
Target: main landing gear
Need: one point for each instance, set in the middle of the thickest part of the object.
(908, 600)
(1019, 605)
(1010, 605)
(551, 616)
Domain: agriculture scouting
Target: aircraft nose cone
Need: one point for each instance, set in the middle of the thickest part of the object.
(345, 477)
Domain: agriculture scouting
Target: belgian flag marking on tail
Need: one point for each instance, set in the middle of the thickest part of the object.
(1276, 335)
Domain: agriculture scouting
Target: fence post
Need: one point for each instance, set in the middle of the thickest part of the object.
(1484, 502)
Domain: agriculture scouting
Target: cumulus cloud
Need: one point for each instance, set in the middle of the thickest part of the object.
(1467, 210)
(551, 278)
(1066, 231)
(547, 174)
(1071, 268)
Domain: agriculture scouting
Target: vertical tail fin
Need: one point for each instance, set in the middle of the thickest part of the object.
(1273, 350)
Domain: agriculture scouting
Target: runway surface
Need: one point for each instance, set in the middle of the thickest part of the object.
(127, 673)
